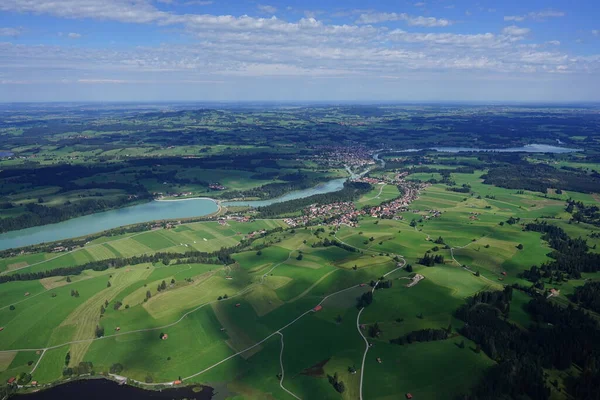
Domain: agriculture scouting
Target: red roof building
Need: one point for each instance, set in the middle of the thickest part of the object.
(408, 396)
(177, 382)
(11, 380)
(1, 328)
(318, 308)
(238, 304)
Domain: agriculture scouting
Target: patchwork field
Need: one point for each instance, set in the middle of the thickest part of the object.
(234, 325)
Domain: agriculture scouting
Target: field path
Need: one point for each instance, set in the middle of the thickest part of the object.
(362, 366)
(282, 370)
(466, 267)
(376, 196)
(312, 286)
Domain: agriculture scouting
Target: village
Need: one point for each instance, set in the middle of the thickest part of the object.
(346, 213)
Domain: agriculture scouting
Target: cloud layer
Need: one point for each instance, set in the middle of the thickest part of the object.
(377, 45)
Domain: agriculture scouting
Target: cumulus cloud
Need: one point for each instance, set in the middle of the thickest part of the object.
(74, 35)
(375, 18)
(11, 32)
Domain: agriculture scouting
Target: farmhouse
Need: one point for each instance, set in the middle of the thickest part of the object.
(409, 396)
(177, 382)
(238, 304)
(11, 380)
(118, 328)
(26, 293)
(318, 308)
(1, 328)
(379, 360)
(165, 336)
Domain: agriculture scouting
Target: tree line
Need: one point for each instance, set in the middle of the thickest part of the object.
(222, 256)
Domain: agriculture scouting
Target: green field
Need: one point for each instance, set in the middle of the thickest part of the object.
(225, 323)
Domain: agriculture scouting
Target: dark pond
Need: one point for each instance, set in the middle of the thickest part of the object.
(102, 389)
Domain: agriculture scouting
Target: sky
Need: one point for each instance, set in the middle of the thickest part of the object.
(300, 50)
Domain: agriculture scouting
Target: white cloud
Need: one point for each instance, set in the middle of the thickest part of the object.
(514, 30)
(539, 15)
(420, 4)
(11, 32)
(267, 9)
(375, 18)
(595, 32)
(198, 3)
(239, 46)
(74, 35)
(554, 42)
(517, 18)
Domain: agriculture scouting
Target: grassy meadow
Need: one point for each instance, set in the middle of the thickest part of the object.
(243, 312)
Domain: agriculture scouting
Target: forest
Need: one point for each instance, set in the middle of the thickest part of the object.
(561, 336)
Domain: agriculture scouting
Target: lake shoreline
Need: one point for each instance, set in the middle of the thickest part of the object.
(118, 390)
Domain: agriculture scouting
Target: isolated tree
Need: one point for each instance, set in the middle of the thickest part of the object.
(99, 331)
(68, 279)
(173, 281)
(409, 268)
(520, 246)
(148, 294)
(108, 284)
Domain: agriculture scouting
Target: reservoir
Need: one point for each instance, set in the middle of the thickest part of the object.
(154, 210)
(102, 389)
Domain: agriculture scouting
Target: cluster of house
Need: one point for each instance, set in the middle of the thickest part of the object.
(341, 213)
(252, 234)
(160, 195)
(216, 186)
(390, 210)
(356, 156)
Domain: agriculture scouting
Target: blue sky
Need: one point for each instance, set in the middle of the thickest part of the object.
(377, 50)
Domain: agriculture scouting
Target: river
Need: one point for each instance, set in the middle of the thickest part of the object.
(102, 389)
(154, 210)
